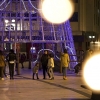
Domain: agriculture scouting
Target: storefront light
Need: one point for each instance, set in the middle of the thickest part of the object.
(6, 21)
(13, 20)
(90, 36)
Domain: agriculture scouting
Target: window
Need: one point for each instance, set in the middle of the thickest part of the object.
(18, 14)
(34, 15)
(26, 14)
(13, 14)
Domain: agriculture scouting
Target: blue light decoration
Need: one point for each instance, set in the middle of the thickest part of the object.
(5, 5)
(41, 51)
(70, 44)
(45, 33)
(71, 51)
(24, 5)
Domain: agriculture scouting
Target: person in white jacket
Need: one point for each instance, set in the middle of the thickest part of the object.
(51, 66)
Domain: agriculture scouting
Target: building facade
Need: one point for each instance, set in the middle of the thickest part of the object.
(85, 23)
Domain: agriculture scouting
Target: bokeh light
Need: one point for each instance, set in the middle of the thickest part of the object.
(91, 73)
(56, 11)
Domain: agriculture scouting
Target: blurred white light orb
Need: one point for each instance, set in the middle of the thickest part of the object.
(56, 11)
(91, 73)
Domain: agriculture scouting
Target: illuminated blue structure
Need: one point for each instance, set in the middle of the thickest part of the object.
(20, 22)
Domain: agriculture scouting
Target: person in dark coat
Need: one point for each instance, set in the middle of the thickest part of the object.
(11, 57)
(23, 59)
(44, 62)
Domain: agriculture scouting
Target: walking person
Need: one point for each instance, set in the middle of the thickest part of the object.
(44, 62)
(51, 66)
(23, 59)
(11, 57)
(64, 63)
(2, 65)
(35, 70)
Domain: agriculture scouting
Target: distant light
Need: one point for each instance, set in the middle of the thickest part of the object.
(56, 11)
(90, 36)
(33, 12)
(93, 36)
(6, 39)
(6, 21)
(13, 20)
(33, 50)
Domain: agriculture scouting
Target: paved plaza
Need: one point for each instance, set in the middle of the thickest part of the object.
(24, 88)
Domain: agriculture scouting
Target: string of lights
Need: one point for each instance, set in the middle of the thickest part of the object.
(24, 5)
(22, 2)
(33, 6)
(2, 2)
(6, 6)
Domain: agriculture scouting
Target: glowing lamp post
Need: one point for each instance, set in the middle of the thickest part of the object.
(91, 76)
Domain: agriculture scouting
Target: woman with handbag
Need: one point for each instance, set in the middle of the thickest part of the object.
(2, 65)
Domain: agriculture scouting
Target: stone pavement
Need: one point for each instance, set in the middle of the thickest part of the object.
(24, 88)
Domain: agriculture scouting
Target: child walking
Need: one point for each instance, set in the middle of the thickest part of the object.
(51, 66)
(35, 70)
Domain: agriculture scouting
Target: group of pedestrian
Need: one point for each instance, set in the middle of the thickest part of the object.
(47, 62)
(11, 57)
